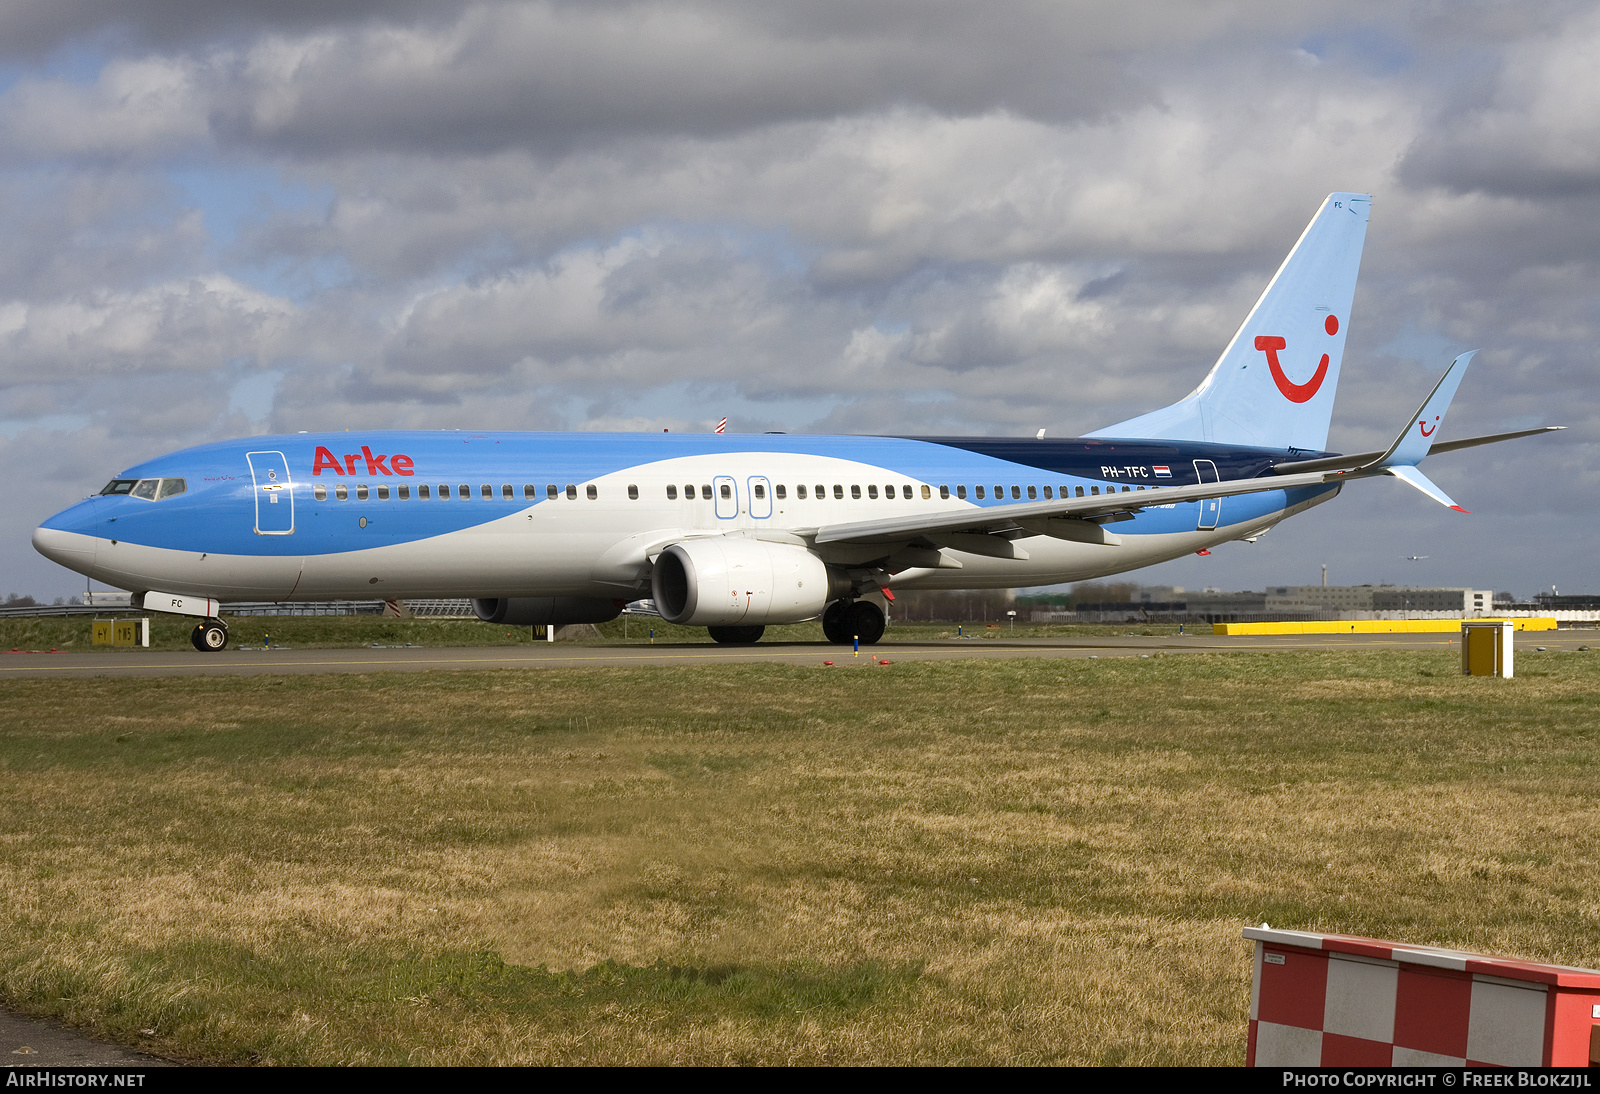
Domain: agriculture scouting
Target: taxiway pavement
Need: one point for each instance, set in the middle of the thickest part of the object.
(286, 661)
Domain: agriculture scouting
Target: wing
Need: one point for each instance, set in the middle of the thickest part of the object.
(1079, 519)
(1364, 459)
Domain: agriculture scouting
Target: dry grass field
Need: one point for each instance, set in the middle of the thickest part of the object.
(1000, 862)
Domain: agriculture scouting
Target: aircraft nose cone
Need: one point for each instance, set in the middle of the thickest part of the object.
(64, 539)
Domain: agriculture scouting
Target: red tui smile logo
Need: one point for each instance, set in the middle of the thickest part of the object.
(1295, 393)
(1427, 430)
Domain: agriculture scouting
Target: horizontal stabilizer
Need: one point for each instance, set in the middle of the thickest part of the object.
(1407, 473)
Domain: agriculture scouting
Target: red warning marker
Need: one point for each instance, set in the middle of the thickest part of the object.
(1203, 551)
(883, 662)
(827, 662)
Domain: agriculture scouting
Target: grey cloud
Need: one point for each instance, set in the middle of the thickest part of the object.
(1538, 135)
(33, 28)
(193, 325)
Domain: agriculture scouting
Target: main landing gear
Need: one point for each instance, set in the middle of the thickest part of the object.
(846, 620)
(736, 636)
(210, 635)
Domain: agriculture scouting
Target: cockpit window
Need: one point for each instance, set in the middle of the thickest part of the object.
(148, 489)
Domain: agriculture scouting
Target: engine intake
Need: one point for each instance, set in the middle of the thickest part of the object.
(537, 611)
(721, 581)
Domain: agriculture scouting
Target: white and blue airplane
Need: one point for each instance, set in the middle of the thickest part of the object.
(734, 532)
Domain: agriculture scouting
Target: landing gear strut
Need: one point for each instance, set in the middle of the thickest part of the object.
(845, 620)
(736, 636)
(210, 635)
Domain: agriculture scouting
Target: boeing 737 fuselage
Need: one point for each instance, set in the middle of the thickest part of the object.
(734, 532)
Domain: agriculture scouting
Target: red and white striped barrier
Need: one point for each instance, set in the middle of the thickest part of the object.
(1339, 1000)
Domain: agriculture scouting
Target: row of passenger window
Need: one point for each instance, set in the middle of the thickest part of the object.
(889, 492)
(147, 488)
(424, 490)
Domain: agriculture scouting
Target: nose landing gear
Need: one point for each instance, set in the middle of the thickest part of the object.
(210, 635)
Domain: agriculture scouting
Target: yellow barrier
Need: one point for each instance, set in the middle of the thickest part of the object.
(1375, 626)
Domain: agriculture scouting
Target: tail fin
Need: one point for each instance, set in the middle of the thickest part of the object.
(1273, 387)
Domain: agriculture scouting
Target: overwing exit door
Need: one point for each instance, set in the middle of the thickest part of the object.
(274, 499)
(727, 495)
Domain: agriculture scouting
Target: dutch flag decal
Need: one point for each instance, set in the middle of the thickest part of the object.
(1163, 471)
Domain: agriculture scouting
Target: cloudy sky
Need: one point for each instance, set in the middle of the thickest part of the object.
(819, 216)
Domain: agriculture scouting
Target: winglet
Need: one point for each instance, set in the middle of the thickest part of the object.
(1416, 439)
(1409, 474)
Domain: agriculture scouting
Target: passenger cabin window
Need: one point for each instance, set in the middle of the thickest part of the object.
(1092, 489)
(383, 492)
(961, 492)
(759, 491)
(361, 492)
(905, 492)
(487, 491)
(592, 491)
(422, 490)
(552, 491)
(1078, 491)
(977, 492)
(528, 492)
(944, 492)
(572, 492)
(444, 490)
(466, 491)
(822, 492)
(633, 492)
(800, 491)
(320, 492)
(506, 492)
(781, 491)
(1032, 493)
(405, 493)
(855, 492)
(872, 491)
(672, 492)
(725, 490)
(705, 491)
(341, 492)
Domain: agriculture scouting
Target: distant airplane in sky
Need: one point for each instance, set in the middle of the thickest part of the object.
(735, 531)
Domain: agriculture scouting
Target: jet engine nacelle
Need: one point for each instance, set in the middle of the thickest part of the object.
(722, 581)
(538, 611)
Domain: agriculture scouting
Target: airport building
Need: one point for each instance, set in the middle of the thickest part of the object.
(1314, 602)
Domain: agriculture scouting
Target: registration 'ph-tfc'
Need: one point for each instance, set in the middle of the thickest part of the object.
(733, 532)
